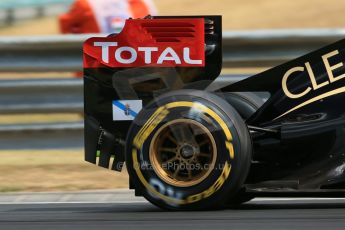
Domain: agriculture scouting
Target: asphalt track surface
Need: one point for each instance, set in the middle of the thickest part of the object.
(258, 214)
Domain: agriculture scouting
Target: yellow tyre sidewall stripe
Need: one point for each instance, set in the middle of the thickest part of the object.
(152, 123)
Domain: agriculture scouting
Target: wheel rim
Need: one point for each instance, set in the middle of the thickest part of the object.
(183, 152)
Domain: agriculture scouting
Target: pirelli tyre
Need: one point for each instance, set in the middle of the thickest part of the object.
(246, 104)
(188, 150)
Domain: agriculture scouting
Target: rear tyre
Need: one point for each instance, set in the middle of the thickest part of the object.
(188, 150)
(246, 103)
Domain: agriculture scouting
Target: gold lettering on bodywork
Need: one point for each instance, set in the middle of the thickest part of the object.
(285, 87)
(313, 79)
(330, 68)
(315, 86)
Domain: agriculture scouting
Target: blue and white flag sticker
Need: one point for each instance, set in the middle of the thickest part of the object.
(126, 110)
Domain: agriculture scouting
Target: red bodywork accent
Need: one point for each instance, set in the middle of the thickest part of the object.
(161, 33)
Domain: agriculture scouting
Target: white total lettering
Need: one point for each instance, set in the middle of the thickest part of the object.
(130, 60)
(187, 59)
(148, 53)
(169, 55)
(105, 49)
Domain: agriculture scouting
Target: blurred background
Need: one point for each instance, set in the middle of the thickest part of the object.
(41, 131)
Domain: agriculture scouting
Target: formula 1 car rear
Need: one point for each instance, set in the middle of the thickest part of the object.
(148, 103)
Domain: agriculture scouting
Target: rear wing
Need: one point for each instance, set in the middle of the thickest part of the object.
(125, 71)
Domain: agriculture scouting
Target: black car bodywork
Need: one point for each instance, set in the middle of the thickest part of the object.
(298, 134)
(303, 148)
